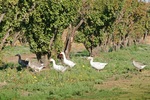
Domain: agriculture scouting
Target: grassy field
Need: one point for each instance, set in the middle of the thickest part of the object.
(118, 81)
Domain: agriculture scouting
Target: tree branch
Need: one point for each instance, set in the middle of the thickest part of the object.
(4, 39)
(79, 24)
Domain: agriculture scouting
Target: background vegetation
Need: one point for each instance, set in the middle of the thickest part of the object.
(105, 25)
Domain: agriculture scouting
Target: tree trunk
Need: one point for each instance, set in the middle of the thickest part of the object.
(70, 38)
(144, 37)
(15, 38)
(130, 41)
(4, 39)
(43, 58)
(125, 42)
(117, 47)
(2, 16)
(106, 44)
(109, 43)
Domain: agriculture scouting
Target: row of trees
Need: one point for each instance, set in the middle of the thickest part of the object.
(101, 25)
(116, 24)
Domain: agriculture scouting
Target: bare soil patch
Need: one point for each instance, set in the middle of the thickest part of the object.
(147, 41)
(77, 47)
(3, 84)
(134, 84)
(14, 59)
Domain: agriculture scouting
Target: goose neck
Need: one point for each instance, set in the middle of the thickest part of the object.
(64, 56)
(29, 63)
(91, 60)
(19, 57)
(53, 62)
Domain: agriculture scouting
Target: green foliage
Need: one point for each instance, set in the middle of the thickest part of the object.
(57, 45)
(113, 23)
(39, 20)
(90, 30)
(48, 20)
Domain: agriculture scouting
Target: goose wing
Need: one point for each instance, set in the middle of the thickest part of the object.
(23, 62)
(98, 65)
(70, 63)
(138, 64)
(36, 65)
(59, 68)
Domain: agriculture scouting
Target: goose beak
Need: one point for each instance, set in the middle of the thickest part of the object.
(60, 56)
(17, 55)
(50, 59)
(89, 57)
(27, 59)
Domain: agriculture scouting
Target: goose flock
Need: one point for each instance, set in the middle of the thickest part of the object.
(37, 67)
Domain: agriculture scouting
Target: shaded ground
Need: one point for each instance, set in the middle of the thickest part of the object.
(14, 59)
(76, 47)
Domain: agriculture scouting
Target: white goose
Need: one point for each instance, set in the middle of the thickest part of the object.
(138, 65)
(58, 67)
(66, 61)
(97, 65)
(36, 66)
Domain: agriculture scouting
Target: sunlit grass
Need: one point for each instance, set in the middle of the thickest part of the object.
(77, 82)
(11, 51)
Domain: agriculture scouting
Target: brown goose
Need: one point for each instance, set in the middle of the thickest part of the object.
(138, 65)
(36, 66)
(23, 63)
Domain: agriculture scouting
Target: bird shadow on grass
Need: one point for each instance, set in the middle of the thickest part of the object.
(81, 54)
(5, 66)
(20, 68)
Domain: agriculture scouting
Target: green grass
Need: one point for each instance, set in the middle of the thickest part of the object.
(79, 82)
(11, 51)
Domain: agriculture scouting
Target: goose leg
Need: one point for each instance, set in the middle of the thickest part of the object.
(36, 70)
